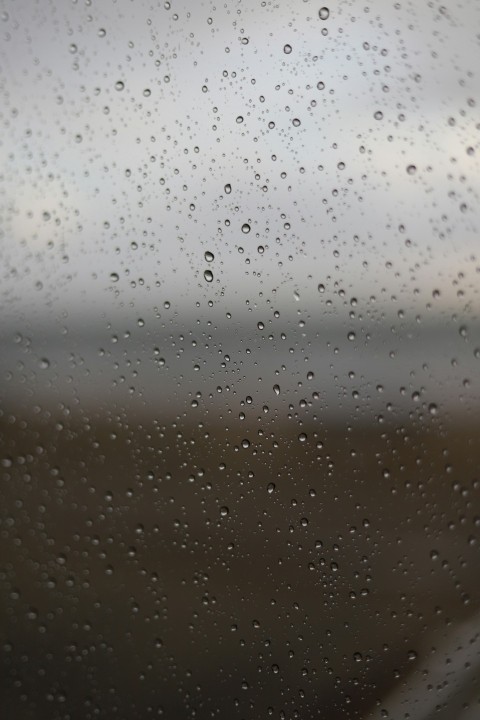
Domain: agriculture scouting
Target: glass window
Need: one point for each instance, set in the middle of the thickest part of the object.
(239, 397)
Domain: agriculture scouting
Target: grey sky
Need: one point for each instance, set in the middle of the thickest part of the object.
(128, 183)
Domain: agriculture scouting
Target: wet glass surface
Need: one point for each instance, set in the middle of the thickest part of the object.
(239, 397)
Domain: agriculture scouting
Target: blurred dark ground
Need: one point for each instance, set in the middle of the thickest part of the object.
(160, 566)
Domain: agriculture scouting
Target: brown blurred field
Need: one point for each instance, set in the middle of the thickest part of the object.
(148, 571)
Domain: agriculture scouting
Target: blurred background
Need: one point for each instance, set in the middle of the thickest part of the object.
(239, 396)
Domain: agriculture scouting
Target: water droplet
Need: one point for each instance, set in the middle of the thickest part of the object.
(432, 409)
(302, 437)
(411, 169)
(114, 277)
(412, 655)
(209, 256)
(296, 122)
(239, 119)
(324, 13)
(228, 189)
(119, 85)
(246, 228)
(321, 288)
(287, 49)
(270, 488)
(208, 275)
(224, 511)
(276, 389)
(378, 115)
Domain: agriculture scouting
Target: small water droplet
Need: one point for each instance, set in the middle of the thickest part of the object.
(224, 511)
(411, 169)
(276, 389)
(209, 256)
(228, 189)
(246, 228)
(302, 437)
(208, 275)
(270, 488)
(119, 85)
(114, 277)
(287, 49)
(324, 13)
